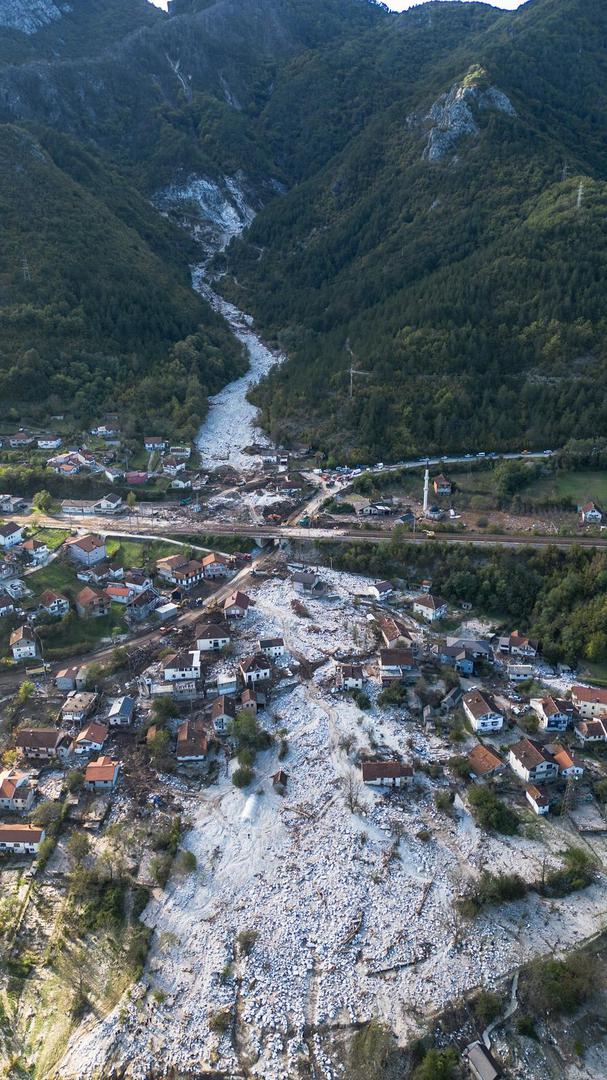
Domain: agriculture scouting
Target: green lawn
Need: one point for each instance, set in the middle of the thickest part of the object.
(581, 487)
(78, 635)
(130, 553)
(53, 538)
(57, 575)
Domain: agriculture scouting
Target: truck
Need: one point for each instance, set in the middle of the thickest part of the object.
(186, 501)
(304, 521)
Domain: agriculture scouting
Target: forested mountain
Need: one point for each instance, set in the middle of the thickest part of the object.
(431, 189)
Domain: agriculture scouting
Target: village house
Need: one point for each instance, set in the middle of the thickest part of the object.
(223, 713)
(188, 575)
(431, 608)
(136, 478)
(553, 714)
(12, 504)
(6, 604)
(484, 763)
(567, 763)
(118, 593)
(272, 647)
(21, 439)
(101, 774)
(212, 637)
(16, 791)
(538, 799)
(184, 452)
(591, 731)
(182, 665)
(44, 744)
(254, 669)
(236, 605)
(154, 444)
(91, 603)
(590, 702)
(109, 504)
(35, 550)
(307, 582)
(457, 657)
(10, 535)
(183, 482)
(386, 773)
(480, 1062)
(71, 678)
(250, 700)
(395, 664)
(142, 604)
(137, 579)
(192, 742)
(215, 566)
(23, 643)
(90, 739)
(392, 632)
(49, 442)
(76, 507)
(590, 514)
(381, 589)
(113, 474)
(78, 706)
(350, 676)
(20, 839)
(122, 711)
(441, 485)
(519, 645)
(172, 466)
(54, 603)
(227, 683)
(166, 567)
(481, 711)
(86, 550)
(532, 762)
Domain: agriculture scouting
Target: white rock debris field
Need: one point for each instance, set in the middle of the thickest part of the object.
(348, 915)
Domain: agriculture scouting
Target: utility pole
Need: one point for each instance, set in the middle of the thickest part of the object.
(580, 195)
(426, 489)
(353, 371)
(25, 269)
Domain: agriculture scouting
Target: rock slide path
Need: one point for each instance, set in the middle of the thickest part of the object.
(231, 423)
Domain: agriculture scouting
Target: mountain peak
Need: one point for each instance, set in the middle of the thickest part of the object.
(31, 15)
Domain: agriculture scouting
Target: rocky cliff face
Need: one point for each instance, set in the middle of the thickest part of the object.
(30, 15)
(455, 115)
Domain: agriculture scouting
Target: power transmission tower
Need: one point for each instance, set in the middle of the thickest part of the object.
(570, 796)
(25, 269)
(580, 195)
(565, 172)
(353, 371)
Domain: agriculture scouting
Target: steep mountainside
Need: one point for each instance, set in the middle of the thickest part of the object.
(431, 187)
(457, 241)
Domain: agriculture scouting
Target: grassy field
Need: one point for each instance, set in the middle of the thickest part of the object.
(129, 553)
(53, 538)
(57, 575)
(79, 635)
(581, 487)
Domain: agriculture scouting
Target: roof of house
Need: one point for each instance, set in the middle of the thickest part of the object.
(49, 596)
(592, 729)
(271, 643)
(170, 562)
(257, 662)
(590, 506)
(529, 753)
(539, 795)
(433, 603)
(22, 633)
(552, 707)
(215, 558)
(238, 599)
(21, 834)
(223, 706)
(101, 769)
(33, 545)
(39, 738)
(93, 732)
(592, 695)
(396, 658)
(249, 695)
(351, 671)
(188, 569)
(122, 706)
(10, 781)
(388, 770)
(192, 740)
(521, 641)
(441, 479)
(482, 760)
(9, 528)
(383, 586)
(183, 660)
(479, 704)
(484, 1065)
(564, 759)
(88, 596)
(87, 543)
(211, 631)
(77, 701)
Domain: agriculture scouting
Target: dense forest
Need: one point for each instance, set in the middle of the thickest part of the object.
(558, 596)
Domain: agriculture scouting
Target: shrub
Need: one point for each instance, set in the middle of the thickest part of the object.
(526, 1026)
(443, 800)
(246, 941)
(491, 813)
(140, 899)
(460, 766)
(362, 700)
(437, 1065)
(396, 694)
(370, 1051)
(160, 868)
(221, 1021)
(242, 776)
(559, 986)
(283, 749)
(486, 1007)
(187, 861)
(576, 873)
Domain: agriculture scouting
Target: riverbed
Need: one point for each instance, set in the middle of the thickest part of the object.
(231, 422)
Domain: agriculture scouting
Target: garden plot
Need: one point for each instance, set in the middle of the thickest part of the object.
(347, 914)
